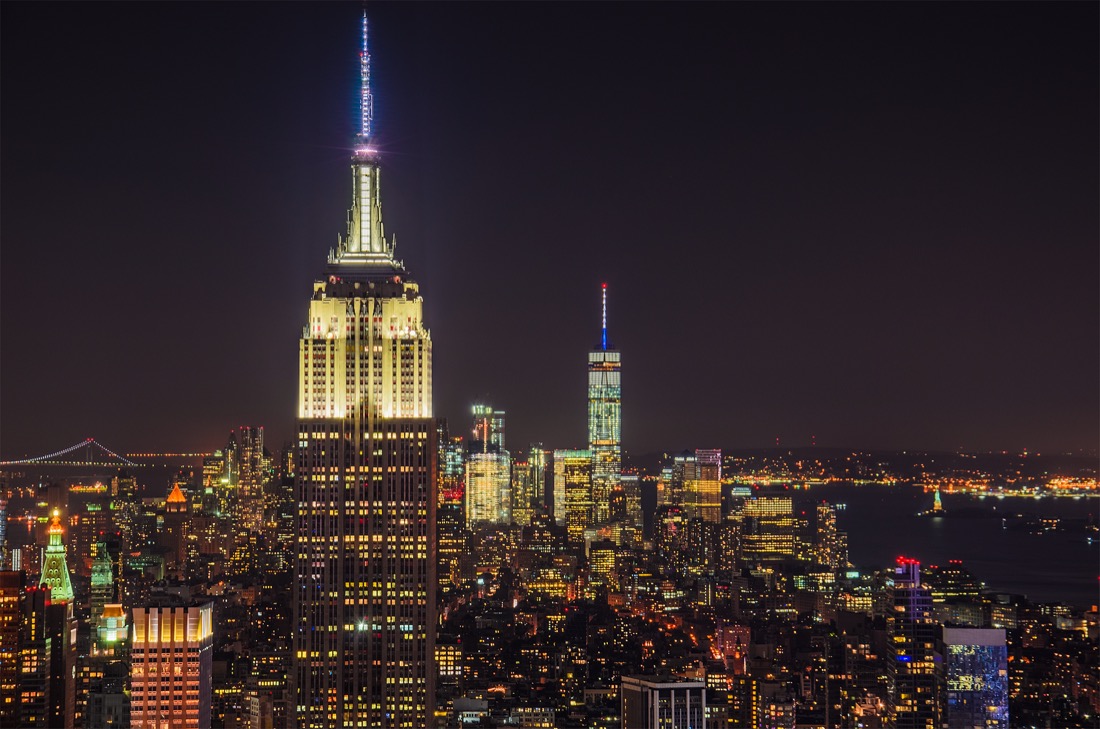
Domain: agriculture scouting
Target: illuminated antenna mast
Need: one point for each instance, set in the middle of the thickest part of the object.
(366, 102)
(605, 316)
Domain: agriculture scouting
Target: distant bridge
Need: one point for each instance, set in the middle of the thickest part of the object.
(88, 452)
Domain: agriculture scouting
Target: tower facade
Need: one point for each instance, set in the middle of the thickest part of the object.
(451, 541)
(365, 572)
(605, 422)
(975, 678)
(769, 529)
(651, 702)
(55, 568)
(60, 627)
(703, 486)
(573, 482)
(537, 464)
(250, 479)
(11, 626)
(488, 470)
(172, 674)
(911, 659)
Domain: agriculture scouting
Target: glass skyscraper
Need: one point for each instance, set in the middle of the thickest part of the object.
(365, 569)
(488, 470)
(573, 492)
(911, 655)
(605, 421)
(975, 667)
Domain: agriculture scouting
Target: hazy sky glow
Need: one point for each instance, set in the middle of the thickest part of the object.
(872, 223)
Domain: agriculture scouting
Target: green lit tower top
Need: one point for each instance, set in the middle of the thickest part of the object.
(55, 570)
(103, 581)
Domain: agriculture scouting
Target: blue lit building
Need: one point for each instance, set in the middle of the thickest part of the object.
(975, 670)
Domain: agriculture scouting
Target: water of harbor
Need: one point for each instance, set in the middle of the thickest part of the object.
(1048, 567)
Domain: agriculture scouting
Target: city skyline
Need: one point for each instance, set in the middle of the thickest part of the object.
(903, 259)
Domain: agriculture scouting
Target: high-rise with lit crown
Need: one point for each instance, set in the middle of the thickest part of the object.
(364, 592)
(605, 421)
(911, 660)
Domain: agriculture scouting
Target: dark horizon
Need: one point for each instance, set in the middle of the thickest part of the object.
(872, 224)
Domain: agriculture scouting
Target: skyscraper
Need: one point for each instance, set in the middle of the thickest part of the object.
(573, 492)
(605, 421)
(769, 529)
(488, 470)
(522, 494)
(652, 702)
(60, 627)
(250, 479)
(11, 625)
(365, 577)
(172, 673)
(703, 486)
(911, 658)
(975, 678)
(451, 540)
(102, 582)
(537, 460)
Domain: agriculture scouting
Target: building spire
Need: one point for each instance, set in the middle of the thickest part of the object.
(366, 101)
(365, 249)
(603, 339)
(55, 571)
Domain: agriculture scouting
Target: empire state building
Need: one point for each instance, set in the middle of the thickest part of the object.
(364, 588)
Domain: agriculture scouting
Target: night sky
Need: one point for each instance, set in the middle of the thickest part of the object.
(872, 223)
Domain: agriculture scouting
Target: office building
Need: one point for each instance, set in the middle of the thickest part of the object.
(102, 582)
(828, 550)
(265, 689)
(605, 421)
(251, 474)
(670, 536)
(488, 470)
(451, 510)
(55, 568)
(538, 462)
(670, 484)
(651, 702)
(627, 518)
(522, 494)
(173, 538)
(364, 599)
(488, 436)
(11, 623)
(171, 674)
(60, 629)
(911, 660)
(702, 490)
(769, 530)
(35, 648)
(488, 489)
(104, 693)
(573, 485)
(975, 678)
(108, 704)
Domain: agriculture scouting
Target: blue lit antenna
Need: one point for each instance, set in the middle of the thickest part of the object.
(605, 317)
(366, 101)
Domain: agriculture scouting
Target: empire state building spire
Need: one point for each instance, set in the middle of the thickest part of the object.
(364, 250)
(365, 530)
(366, 102)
